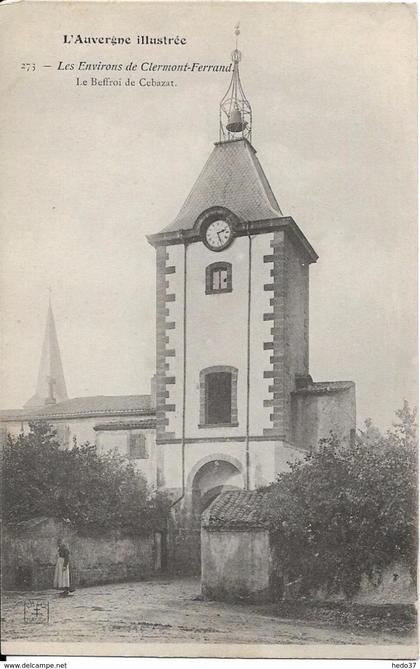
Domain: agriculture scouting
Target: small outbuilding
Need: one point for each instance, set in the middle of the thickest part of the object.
(237, 556)
(239, 560)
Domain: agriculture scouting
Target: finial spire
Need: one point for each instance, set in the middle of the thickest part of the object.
(235, 115)
(237, 33)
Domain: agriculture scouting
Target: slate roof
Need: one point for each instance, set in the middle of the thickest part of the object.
(98, 405)
(238, 510)
(325, 387)
(233, 178)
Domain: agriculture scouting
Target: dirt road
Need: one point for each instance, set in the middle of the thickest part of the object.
(163, 611)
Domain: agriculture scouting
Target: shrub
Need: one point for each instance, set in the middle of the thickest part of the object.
(345, 511)
(97, 493)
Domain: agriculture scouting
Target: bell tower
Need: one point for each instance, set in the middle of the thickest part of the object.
(235, 401)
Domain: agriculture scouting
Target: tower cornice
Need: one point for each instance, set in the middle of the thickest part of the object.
(242, 229)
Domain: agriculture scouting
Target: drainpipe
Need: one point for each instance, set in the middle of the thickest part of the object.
(248, 373)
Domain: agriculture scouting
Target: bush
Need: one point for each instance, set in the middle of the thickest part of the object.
(97, 493)
(345, 511)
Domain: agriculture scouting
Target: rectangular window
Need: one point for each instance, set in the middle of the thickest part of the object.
(219, 278)
(218, 398)
(137, 447)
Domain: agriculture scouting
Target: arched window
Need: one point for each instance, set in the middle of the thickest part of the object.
(219, 278)
(218, 396)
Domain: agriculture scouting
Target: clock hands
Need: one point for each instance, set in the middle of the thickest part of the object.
(218, 235)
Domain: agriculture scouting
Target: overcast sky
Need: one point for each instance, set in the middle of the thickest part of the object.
(87, 172)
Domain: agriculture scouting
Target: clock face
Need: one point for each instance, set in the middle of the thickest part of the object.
(218, 235)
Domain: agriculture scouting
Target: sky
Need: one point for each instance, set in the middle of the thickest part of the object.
(87, 171)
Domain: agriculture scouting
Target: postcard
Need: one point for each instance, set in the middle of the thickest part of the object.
(209, 329)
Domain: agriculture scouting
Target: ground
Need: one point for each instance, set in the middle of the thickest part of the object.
(165, 610)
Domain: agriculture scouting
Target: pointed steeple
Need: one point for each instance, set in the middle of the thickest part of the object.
(51, 386)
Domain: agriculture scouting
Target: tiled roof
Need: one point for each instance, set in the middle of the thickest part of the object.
(98, 405)
(233, 178)
(325, 387)
(238, 509)
(147, 424)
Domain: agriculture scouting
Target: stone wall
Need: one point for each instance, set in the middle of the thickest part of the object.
(29, 555)
(241, 565)
(393, 586)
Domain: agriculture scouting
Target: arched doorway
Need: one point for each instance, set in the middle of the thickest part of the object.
(209, 477)
(210, 480)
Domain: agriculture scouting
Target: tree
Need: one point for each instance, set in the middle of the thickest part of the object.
(347, 511)
(97, 493)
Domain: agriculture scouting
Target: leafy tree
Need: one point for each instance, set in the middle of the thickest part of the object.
(97, 493)
(345, 511)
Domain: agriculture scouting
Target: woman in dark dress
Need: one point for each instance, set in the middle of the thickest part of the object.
(62, 569)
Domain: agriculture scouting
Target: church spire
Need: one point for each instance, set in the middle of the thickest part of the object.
(51, 386)
(235, 113)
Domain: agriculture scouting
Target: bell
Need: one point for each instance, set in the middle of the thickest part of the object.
(235, 122)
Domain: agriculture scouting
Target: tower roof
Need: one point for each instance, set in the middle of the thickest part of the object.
(233, 178)
(51, 386)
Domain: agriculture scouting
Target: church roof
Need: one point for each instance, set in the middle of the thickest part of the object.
(115, 426)
(100, 404)
(238, 510)
(82, 407)
(233, 178)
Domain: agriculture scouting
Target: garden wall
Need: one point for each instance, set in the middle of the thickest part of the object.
(393, 586)
(29, 554)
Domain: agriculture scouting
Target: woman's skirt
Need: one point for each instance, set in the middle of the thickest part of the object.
(61, 576)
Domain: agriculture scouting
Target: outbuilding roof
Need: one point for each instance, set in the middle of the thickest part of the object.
(238, 510)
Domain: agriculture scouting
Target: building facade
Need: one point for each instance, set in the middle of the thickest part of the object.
(235, 399)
